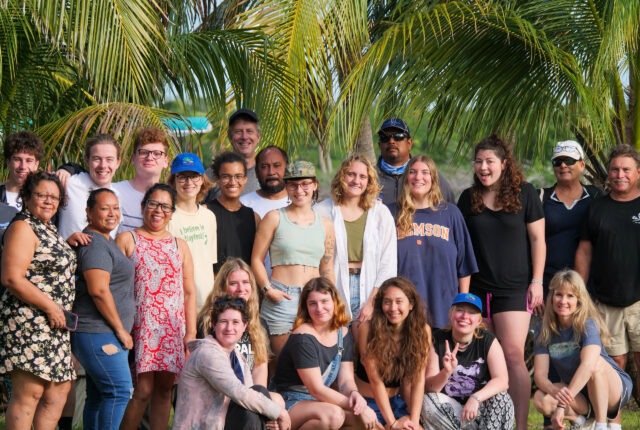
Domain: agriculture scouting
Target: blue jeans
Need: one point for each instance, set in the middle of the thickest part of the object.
(281, 316)
(398, 407)
(109, 386)
(354, 293)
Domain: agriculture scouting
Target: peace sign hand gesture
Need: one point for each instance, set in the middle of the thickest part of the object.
(449, 361)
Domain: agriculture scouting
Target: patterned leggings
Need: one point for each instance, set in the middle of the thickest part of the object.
(441, 412)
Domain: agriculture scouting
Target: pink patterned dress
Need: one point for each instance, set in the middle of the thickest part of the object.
(159, 323)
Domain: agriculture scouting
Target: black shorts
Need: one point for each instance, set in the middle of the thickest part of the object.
(494, 303)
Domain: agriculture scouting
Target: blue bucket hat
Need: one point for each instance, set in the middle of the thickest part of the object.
(472, 299)
(187, 162)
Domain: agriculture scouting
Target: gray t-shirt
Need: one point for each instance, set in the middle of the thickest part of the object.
(105, 255)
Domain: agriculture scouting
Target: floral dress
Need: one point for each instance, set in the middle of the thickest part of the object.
(159, 324)
(27, 342)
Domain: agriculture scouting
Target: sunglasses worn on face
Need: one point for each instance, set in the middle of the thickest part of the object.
(384, 137)
(557, 162)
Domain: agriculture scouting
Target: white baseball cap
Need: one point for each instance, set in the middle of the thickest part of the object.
(568, 148)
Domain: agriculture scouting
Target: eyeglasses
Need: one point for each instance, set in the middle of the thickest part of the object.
(557, 162)
(183, 179)
(44, 197)
(225, 179)
(384, 137)
(164, 207)
(293, 186)
(145, 153)
(235, 300)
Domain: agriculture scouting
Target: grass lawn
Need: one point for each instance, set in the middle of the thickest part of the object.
(630, 418)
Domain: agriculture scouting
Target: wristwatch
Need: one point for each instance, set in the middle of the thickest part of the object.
(266, 287)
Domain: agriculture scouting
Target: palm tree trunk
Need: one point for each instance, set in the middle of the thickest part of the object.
(364, 142)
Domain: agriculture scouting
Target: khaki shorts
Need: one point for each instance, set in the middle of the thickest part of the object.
(624, 327)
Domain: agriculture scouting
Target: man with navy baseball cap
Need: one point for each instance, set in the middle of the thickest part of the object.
(394, 140)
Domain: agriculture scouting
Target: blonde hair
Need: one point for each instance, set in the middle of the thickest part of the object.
(405, 208)
(339, 185)
(257, 333)
(585, 309)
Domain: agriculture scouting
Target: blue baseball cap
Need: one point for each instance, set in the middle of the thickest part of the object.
(395, 123)
(187, 162)
(472, 299)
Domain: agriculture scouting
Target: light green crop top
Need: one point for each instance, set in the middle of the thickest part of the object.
(296, 244)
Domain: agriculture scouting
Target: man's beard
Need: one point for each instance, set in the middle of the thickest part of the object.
(272, 189)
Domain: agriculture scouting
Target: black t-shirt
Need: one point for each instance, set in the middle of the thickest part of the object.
(613, 228)
(472, 372)
(236, 232)
(501, 242)
(303, 351)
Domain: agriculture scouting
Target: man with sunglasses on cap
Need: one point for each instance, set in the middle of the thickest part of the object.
(395, 143)
(565, 205)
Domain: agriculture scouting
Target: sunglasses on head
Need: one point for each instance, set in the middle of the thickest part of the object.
(557, 162)
(384, 137)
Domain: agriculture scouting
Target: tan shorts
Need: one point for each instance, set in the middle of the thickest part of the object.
(624, 327)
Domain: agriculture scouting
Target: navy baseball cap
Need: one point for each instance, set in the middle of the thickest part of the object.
(472, 299)
(245, 114)
(187, 162)
(395, 123)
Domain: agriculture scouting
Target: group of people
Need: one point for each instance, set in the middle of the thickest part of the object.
(386, 305)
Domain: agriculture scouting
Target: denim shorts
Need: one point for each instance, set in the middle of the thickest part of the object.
(354, 293)
(293, 397)
(281, 316)
(398, 407)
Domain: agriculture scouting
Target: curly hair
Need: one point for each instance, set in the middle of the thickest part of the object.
(224, 158)
(405, 207)
(23, 141)
(148, 135)
(32, 181)
(226, 302)
(205, 185)
(511, 179)
(339, 183)
(257, 333)
(321, 285)
(404, 357)
(570, 280)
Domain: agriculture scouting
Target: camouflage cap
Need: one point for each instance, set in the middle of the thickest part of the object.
(300, 169)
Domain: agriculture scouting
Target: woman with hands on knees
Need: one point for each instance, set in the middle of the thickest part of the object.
(105, 307)
(366, 249)
(38, 272)
(165, 318)
(215, 390)
(315, 369)
(466, 385)
(301, 244)
(570, 338)
(394, 348)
